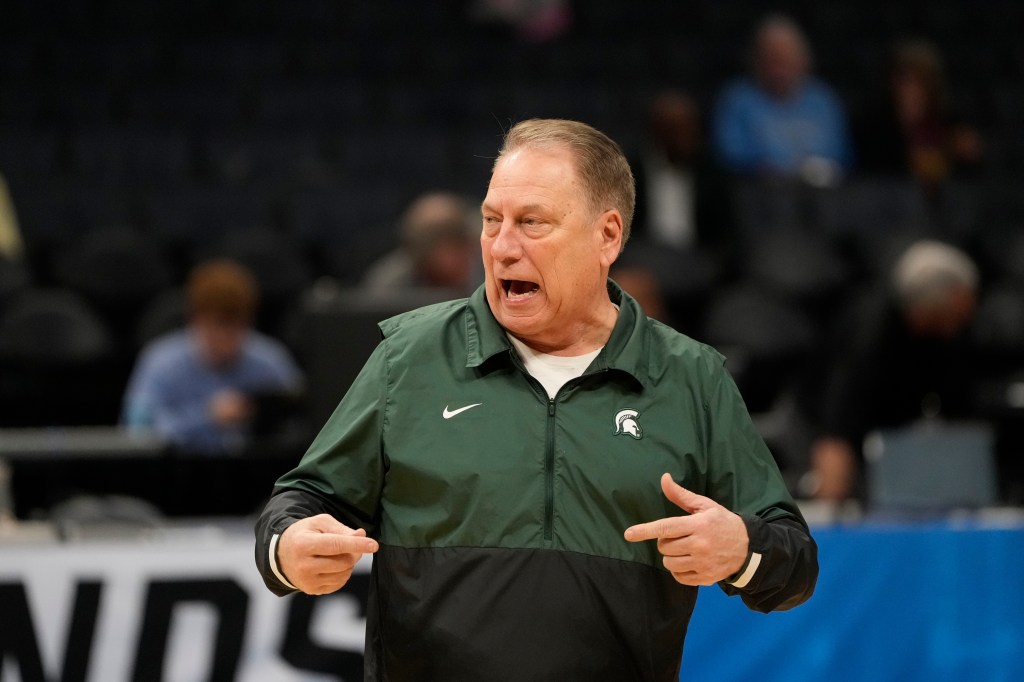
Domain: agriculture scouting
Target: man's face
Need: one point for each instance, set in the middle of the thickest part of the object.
(781, 62)
(220, 341)
(944, 320)
(675, 123)
(546, 251)
(449, 263)
(910, 95)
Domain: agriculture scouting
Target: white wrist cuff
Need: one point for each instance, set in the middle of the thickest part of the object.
(273, 563)
(748, 572)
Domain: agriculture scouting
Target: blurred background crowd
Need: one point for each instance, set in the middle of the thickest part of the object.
(203, 204)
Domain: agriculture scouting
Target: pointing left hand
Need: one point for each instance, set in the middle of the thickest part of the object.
(703, 548)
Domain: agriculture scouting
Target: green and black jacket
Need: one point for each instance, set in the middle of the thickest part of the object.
(502, 554)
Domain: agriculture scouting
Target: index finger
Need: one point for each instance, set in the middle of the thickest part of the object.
(331, 544)
(672, 527)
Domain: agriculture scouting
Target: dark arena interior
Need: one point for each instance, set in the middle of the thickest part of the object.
(141, 139)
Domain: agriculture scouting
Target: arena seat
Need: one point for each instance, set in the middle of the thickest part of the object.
(197, 214)
(931, 468)
(290, 159)
(801, 267)
(118, 270)
(55, 363)
(865, 206)
(135, 157)
(15, 278)
(164, 313)
(765, 339)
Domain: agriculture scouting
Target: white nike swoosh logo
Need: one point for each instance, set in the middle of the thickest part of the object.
(448, 414)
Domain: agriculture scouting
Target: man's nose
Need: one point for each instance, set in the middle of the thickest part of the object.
(506, 245)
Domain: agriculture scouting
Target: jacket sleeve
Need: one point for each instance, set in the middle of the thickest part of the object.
(782, 564)
(341, 474)
(786, 567)
(283, 509)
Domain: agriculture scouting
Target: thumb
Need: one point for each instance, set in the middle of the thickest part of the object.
(325, 523)
(683, 498)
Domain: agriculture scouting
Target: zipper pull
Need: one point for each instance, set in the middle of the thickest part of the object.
(551, 407)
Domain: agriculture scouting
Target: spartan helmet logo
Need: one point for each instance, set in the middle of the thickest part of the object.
(626, 423)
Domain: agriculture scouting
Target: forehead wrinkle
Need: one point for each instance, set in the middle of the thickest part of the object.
(553, 188)
(560, 165)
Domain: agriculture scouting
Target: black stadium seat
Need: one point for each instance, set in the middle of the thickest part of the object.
(14, 279)
(118, 270)
(798, 266)
(139, 157)
(55, 362)
(765, 339)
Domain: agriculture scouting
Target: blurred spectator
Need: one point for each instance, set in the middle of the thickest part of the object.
(914, 130)
(782, 120)
(907, 357)
(682, 228)
(682, 200)
(206, 386)
(535, 21)
(642, 285)
(11, 245)
(438, 248)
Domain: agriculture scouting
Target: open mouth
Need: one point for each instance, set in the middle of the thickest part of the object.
(517, 288)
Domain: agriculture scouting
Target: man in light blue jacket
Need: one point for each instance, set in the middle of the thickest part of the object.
(782, 120)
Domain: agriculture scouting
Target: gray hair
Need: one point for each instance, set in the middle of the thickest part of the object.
(929, 271)
(600, 163)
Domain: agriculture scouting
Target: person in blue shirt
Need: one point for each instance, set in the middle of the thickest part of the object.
(201, 387)
(782, 120)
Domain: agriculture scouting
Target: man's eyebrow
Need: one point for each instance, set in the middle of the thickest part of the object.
(528, 208)
(533, 208)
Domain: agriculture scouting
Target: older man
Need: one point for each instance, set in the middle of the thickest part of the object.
(906, 355)
(521, 461)
(782, 120)
(438, 248)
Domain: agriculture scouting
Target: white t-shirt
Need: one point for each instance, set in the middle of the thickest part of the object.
(671, 204)
(552, 371)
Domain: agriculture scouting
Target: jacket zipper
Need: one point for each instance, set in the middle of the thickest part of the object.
(549, 473)
(549, 452)
(549, 448)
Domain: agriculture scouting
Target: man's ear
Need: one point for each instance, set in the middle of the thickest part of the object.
(610, 227)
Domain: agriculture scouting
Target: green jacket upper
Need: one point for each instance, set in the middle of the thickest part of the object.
(499, 509)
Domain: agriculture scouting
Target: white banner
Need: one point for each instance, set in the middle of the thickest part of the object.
(177, 611)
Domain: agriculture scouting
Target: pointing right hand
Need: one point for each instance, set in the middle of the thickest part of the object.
(317, 554)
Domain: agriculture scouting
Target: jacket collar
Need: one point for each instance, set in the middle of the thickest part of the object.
(626, 351)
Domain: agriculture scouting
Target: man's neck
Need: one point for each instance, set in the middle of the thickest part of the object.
(581, 338)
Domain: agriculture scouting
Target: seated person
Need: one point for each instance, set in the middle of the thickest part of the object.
(201, 387)
(907, 357)
(913, 130)
(782, 121)
(682, 199)
(439, 248)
